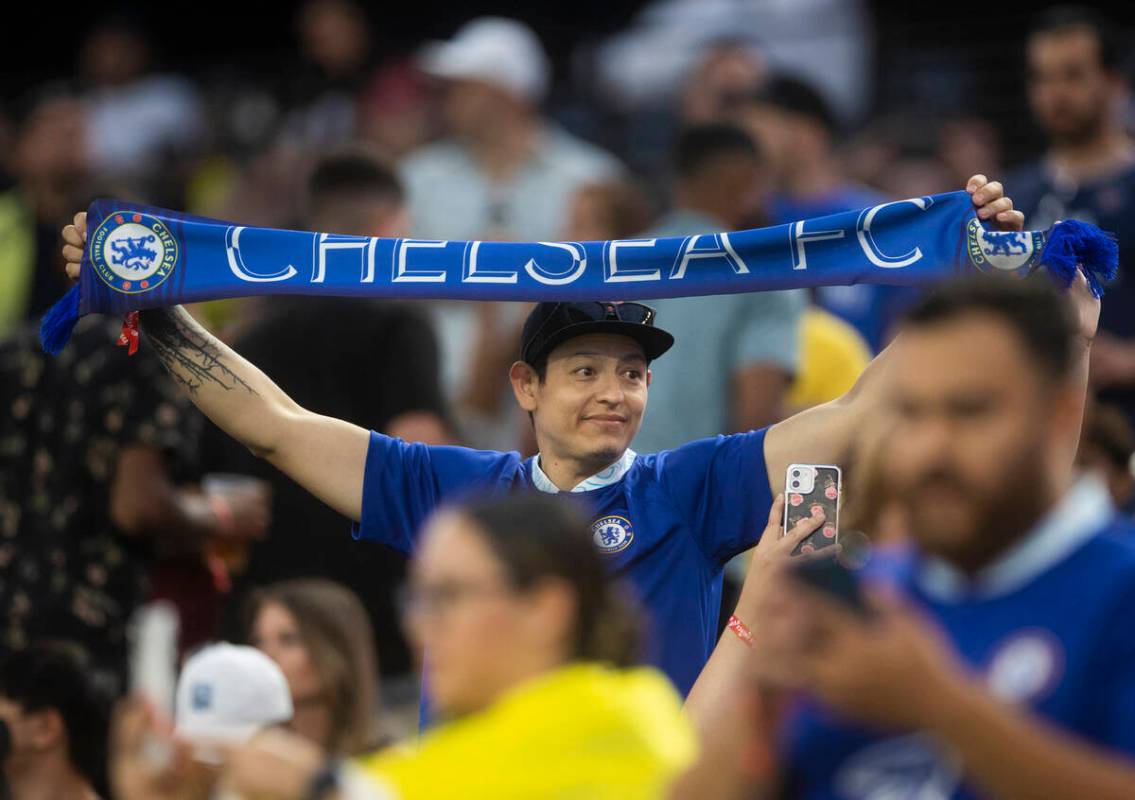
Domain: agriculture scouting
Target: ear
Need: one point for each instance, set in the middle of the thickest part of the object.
(525, 385)
(649, 377)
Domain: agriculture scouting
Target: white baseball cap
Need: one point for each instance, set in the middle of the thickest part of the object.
(228, 692)
(500, 51)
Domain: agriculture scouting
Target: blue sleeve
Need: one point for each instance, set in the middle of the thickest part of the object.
(403, 483)
(721, 487)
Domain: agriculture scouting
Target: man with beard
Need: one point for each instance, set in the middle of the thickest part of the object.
(1077, 92)
(996, 655)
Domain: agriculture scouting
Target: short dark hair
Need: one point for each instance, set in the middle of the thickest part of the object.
(55, 675)
(537, 536)
(1063, 19)
(350, 173)
(700, 145)
(1032, 308)
(797, 96)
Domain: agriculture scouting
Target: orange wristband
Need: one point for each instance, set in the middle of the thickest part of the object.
(741, 629)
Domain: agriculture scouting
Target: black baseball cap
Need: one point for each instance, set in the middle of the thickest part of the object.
(552, 324)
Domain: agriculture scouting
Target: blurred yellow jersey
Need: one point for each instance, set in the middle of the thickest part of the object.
(583, 731)
(832, 355)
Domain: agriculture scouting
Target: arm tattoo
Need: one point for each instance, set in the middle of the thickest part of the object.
(188, 352)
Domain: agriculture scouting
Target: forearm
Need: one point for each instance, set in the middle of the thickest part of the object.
(1080, 371)
(239, 398)
(1010, 753)
(828, 434)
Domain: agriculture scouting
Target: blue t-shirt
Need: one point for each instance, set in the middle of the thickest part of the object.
(1062, 644)
(668, 525)
(871, 309)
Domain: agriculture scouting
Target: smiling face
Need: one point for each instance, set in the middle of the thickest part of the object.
(589, 405)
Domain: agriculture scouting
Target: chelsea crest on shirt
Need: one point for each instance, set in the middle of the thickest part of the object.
(612, 534)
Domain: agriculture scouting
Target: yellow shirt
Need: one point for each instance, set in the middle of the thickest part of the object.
(583, 731)
(832, 354)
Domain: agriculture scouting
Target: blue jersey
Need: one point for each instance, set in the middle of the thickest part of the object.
(1061, 642)
(668, 524)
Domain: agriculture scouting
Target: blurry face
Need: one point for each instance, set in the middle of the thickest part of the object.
(967, 454)
(276, 633)
(591, 402)
(472, 626)
(774, 132)
(51, 144)
(1069, 90)
(30, 734)
(470, 107)
(589, 219)
(740, 177)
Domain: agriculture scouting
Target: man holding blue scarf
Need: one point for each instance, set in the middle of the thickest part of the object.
(668, 521)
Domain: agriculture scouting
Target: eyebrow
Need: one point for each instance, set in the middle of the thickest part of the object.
(597, 354)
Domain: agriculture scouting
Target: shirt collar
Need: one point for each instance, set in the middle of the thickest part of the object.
(1076, 517)
(604, 477)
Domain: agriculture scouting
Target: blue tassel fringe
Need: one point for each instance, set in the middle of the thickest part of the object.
(1071, 244)
(59, 321)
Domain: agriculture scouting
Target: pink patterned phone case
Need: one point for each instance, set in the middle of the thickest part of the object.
(824, 495)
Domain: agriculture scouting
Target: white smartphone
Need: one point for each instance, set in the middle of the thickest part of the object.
(809, 488)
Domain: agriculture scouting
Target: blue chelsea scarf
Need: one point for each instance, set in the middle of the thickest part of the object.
(139, 257)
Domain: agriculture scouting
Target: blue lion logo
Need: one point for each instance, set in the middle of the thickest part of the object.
(1007, 244)
(611, 535)
(133, 253)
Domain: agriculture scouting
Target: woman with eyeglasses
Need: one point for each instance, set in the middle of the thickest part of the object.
(531, 652)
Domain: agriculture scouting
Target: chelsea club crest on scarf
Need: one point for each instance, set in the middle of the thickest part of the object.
(133, 252)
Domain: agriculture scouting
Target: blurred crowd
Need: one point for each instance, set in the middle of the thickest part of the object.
(701, 116)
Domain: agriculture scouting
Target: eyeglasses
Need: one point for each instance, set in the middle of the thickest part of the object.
(438, 599)
(590, 311)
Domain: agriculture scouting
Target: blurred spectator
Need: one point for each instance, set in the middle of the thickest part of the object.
(374, 363)
(826, 40)
(726, 69)
(48, 162)
(57, 720)
(350, 192)
(1107, 448)
(832, 357)
(318, 633)
(227, 693)
(503, 172)
(320, 94)
(965, 671)
(93, 446)
(798, 130)
(1076, 90)
(531, 646)
(393, 111)
(738, 352)
(614, 209)
(139, 122)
